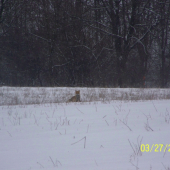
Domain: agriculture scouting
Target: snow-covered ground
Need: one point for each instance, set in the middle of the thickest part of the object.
(97, 135)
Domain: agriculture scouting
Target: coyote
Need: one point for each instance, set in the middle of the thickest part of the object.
(75, 98)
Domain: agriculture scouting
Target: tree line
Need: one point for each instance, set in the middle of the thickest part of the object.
(85, 43)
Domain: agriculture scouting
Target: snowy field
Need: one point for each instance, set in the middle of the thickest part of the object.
(98, 133)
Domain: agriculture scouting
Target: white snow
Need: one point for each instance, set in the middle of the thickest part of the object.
(86, 135)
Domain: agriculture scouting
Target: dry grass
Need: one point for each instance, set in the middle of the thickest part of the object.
(26, 95)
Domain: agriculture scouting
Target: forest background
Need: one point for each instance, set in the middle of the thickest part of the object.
(85, 43)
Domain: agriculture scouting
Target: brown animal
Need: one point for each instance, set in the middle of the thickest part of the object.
(75, 98)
